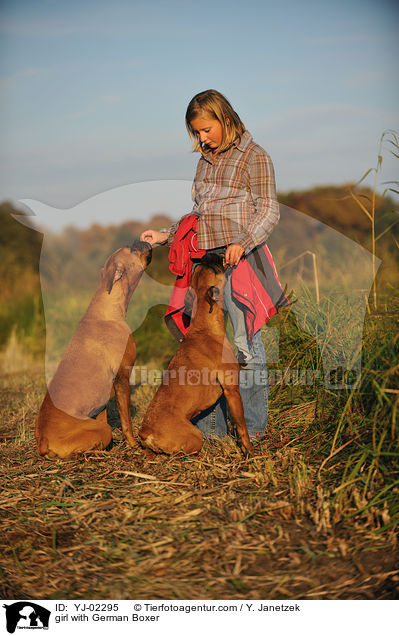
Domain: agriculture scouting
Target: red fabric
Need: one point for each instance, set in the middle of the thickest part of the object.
(249, 290)
(255, 283)
(181, 254)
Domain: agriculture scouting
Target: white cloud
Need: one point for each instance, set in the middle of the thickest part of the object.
(27, 73)
(109, 99)
(93, 106)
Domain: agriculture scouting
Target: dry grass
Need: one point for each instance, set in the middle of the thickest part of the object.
(213, 526)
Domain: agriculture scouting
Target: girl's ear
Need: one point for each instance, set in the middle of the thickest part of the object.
(227, 121)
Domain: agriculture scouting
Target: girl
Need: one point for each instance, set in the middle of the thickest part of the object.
(235, 201)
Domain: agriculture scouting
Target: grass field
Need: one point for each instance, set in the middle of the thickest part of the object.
(312, 515)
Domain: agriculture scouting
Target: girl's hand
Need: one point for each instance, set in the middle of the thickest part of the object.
(233, 254)
(153, 236)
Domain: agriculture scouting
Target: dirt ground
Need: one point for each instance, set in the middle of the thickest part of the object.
(122, 525)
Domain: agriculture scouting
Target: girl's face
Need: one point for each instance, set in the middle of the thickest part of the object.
(209, 131)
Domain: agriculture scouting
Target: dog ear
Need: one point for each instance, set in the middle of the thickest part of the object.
(113, 274)
(212, 296)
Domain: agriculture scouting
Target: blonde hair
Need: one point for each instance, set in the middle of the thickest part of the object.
(216, 106)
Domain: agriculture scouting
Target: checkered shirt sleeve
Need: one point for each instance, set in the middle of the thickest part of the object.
(234, 196)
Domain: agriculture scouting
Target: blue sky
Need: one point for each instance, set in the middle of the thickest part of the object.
(94, 93)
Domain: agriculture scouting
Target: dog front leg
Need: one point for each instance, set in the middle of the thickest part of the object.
(122, 390)
(122, 394)
(234, 401)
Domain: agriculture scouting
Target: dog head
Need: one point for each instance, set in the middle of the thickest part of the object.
(127, 265)
(208, 281)
(144, 250)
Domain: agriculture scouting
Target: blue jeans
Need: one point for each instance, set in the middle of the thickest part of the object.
(253, 382)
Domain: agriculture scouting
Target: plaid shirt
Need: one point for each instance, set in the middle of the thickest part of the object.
(234, 196)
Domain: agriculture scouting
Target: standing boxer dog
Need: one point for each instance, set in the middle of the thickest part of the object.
(95, 366)
(205, 356)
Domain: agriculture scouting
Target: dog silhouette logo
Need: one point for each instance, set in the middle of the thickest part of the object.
(329, 274)
(26, 615)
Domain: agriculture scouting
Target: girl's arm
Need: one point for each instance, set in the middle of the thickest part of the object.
(163, 238)
(263, 191)
(153, 236)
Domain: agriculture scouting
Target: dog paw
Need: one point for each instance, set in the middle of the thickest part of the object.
(132, 443)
